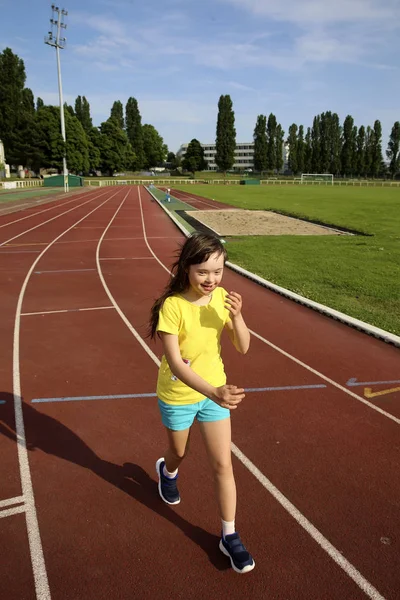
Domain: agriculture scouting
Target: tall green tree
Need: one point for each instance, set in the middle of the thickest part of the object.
(377, 159)
(393, 151)
(154, 147)
(260, 144)
(82, 111)
(39, 103)
(316, 145)
(271, 142)
(348, 157)
(308, 152)
(115, 149)
(133, 123)
(226, 135)
(293, 142)
(360, 143)
(325, 142)
(300, 150)
(117, 113)
(12, 81)
(335, 145)
(77, 149)
(369, 143)
(279, 143)
(194, 158)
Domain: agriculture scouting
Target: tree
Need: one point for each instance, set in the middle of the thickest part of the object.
(393, 151)
(153, 146)
(194, 158)
(360, 159)
(316, 145)
(369, 142)
(115, 149)
(133, 123)
(279, 141)
(335, 145)
(376, 154)
(300, 150)
(39, 103)
(226, 135)
(348, 147)
(271, 142)
(117, 113)
(292, 142)
(12, 81)
(171, 158)
(260, 144)
(82, 111)
(308, 152)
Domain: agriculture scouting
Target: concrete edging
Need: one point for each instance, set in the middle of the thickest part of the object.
(376, 332)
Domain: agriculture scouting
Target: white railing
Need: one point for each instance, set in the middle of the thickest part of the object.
(335, 182)
(21, 183)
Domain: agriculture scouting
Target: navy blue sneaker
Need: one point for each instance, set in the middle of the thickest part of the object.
(167, 487)
(241, 560)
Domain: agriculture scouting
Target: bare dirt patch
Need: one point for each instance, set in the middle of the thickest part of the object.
(258, 222)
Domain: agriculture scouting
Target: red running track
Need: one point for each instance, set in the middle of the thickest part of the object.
(316, 467)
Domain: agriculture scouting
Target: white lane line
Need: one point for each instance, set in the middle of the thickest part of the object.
(186, 197)
(131, 258)
(19, 252)
(39, 212)
(35, 543)
(11, 501)
(333, 552)
(325, 378)
(66, 310)
(12, 511)
(52, 219)
(317, 536)
(145, 235)
(111, 297)
(64, 271)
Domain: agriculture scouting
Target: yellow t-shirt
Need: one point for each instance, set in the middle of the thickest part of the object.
(199, 330)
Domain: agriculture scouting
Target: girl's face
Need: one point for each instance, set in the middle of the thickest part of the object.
(206, 276)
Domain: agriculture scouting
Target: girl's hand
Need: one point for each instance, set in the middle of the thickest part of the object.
(228, 396)
(234, 303)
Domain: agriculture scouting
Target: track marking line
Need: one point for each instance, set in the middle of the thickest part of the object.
(11, 501)
(12, 511)
(131, 258)
(333, 552)
(368, 393)
(52, 219)
(353, 382)
(20, 252)
(154, 395)
(316, 535)
(64, 271)
(34, 214)
(325, 378)
(35, 544)
(65, 310)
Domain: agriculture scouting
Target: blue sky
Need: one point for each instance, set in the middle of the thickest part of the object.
(294, 58)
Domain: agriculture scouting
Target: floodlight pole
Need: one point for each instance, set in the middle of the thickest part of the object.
(59, 43)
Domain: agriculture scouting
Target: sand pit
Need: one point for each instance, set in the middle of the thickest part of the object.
(258, 222)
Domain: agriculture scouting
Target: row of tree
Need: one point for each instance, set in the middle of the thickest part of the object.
(348, 150)
(32, 134)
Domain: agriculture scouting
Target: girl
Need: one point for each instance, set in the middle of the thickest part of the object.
(189, 318)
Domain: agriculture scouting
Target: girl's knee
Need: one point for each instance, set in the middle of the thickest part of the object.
(223, 468)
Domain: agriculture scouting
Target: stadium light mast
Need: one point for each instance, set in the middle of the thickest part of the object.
(54, 39)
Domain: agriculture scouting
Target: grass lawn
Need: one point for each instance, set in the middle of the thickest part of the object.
(358, 275)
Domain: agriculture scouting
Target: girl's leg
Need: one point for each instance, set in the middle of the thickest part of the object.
(217, 439)
(178, 447)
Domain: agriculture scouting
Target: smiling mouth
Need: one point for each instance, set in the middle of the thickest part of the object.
(207, 287)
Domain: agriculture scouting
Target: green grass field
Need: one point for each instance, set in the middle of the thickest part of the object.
(358, 275)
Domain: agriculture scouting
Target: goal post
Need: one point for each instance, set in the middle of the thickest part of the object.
(326, 178)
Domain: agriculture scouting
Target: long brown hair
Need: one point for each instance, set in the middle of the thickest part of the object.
(196, 249)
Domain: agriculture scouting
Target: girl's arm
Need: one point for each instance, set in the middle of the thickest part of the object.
(237, 328)
(228, 396)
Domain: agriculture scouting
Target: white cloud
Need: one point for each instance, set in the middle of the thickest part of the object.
(321, 11)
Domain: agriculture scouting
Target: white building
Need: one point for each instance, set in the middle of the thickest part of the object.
(244, 155)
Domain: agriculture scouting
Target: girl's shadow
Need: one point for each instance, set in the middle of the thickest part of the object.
(49, 435)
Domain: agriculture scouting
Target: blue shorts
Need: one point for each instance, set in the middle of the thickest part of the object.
(178, 418)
